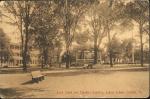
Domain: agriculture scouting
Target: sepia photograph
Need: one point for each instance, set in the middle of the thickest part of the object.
(74, 49)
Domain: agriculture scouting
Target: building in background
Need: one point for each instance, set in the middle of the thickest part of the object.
(16, 61)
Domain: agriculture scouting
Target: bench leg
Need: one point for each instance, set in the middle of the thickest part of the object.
(42, 77)
(90, 67)
(35, 80)
(87, 67)
(39, 79)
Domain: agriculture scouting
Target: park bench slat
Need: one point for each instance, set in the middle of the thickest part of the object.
(37, 75)
(87, 66)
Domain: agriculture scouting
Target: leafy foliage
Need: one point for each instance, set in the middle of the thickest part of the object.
(5, 51)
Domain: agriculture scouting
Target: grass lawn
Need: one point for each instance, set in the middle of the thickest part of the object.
(98, 84)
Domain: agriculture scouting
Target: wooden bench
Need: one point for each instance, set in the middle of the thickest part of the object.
(87, 66)
(37, 76)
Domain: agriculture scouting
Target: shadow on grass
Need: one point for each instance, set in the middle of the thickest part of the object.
(30, 82)
(7, 93)
(10, 92)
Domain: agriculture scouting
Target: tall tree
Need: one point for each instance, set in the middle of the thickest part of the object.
(138, 10)
(45, 29)
(116, 48)
(22, 12)
(58, 46)
(5, 52)
(110, 13)
(98, 28)
(70, 12)
(127, 49)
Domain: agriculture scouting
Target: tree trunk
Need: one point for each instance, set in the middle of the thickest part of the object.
(25, 50)
(68, 59)
(149, 48)
(95, 51)
(24, 62)
(50, 62)
(26, 37)
(110, 50)
(58, 59)
(22, 43)
(132, 50)
(83, 56)
(67, 34)
(1, 56)
(42, 62)
(25, 55)
(149, 39)
(45, 58)
(141, 43)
